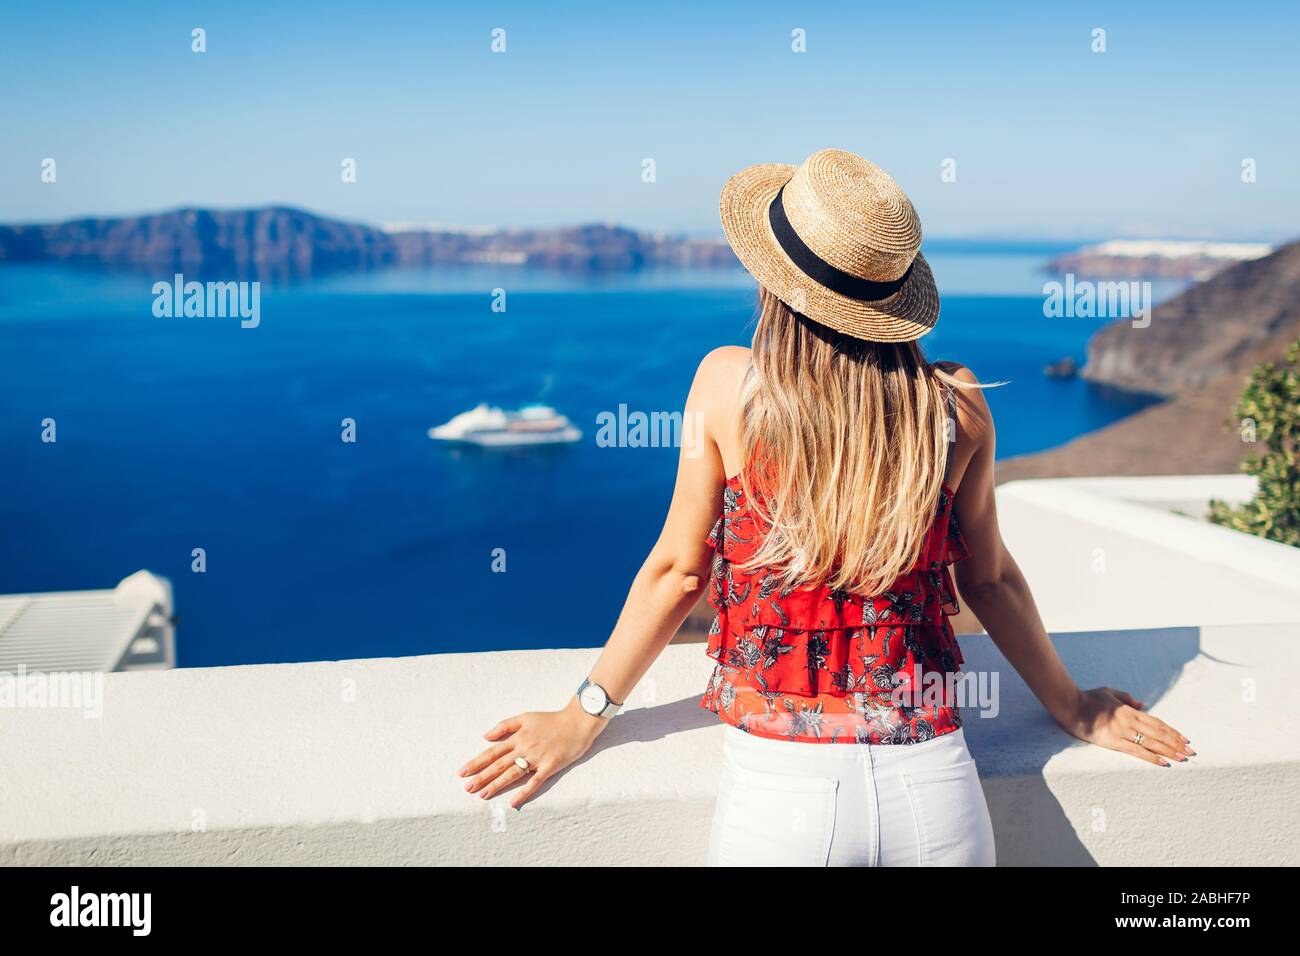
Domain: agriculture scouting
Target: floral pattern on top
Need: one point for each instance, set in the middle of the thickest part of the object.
(817, 665)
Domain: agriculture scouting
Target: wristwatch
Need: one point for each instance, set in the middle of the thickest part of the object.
(594, 700)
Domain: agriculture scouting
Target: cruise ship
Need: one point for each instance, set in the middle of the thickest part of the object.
(493, 427)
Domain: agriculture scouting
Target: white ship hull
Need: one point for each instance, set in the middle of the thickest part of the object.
(490, 427)
(502, 439)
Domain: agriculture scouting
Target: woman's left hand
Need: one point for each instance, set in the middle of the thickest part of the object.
(548, 740)
(1116, 720)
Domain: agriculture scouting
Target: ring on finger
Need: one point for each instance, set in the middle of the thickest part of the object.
(1138, 738)
(523, 764)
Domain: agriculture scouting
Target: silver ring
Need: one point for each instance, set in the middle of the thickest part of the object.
(1138, 738)
(522, 764)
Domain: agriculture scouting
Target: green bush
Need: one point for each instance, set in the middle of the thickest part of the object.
(1271, 406)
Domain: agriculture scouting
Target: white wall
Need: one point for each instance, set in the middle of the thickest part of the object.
(1107, 553)
(354, 762)
(280, 768)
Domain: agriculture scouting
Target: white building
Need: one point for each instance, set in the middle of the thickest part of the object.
(129, 627)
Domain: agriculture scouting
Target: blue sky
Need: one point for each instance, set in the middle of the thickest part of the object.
(1050, 139)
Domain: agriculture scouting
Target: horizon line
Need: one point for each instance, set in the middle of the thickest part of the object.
(392, 226)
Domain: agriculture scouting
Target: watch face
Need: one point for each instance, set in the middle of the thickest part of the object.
(593, 699)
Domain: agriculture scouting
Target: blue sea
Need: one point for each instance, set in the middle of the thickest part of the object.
(176, 434)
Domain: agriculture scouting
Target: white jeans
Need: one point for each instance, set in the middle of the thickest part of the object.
(786, 803)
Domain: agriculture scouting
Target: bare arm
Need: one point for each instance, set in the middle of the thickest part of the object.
(663, 592)
(994, 589)
(673, 575)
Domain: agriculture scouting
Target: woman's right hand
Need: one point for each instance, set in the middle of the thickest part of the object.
(1117, 720)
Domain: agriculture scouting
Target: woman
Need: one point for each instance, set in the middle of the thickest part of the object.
(822, 519)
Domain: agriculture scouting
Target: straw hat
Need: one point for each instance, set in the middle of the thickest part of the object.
(838, 241)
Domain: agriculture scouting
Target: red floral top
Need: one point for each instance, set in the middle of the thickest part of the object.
(820, 666)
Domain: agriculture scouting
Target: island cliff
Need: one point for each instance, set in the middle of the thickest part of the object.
(280, 241)
(1197, 352)
(1210, 330)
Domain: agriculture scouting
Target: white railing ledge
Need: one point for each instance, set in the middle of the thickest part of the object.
(353, 762)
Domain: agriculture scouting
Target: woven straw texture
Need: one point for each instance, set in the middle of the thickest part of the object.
(854, 216)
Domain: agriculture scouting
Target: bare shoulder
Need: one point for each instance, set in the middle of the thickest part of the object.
(716, 396)
(726, 360)
(718, 378)
(958, 371)
(974, 420)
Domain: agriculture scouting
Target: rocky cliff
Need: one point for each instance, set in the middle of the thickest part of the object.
(1198, 350)
(280, 241)
(1211, 329)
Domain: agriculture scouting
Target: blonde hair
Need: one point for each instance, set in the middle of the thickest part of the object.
(845, 443)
